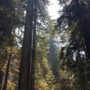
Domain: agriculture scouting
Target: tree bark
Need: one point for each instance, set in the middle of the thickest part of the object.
(1, 78)
(7, 73)
(34, 47)
(24, 76)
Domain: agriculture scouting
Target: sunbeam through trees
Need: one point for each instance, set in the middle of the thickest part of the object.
(44, 45)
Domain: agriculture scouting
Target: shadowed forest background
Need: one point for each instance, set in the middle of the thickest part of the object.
(38, 53)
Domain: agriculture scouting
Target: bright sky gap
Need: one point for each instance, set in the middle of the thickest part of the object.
(53, 9)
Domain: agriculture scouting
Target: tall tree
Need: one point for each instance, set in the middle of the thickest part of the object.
(34, 47)
(27, 66)
(7, 72)
(76, 15)
(26, 49)
(8, 23)
(77, 11)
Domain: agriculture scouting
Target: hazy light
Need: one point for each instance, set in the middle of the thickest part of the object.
(53, 9)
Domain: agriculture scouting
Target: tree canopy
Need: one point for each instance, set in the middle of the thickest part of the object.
(38, 53)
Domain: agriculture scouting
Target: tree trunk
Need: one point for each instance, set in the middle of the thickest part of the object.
(7, 73)
(24, 76)
(1, 78)
(34, 47)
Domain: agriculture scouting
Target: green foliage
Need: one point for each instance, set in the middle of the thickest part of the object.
(75, 55)
(8, 21)
(44, 78)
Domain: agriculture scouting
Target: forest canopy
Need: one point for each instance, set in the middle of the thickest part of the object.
(38, 53)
